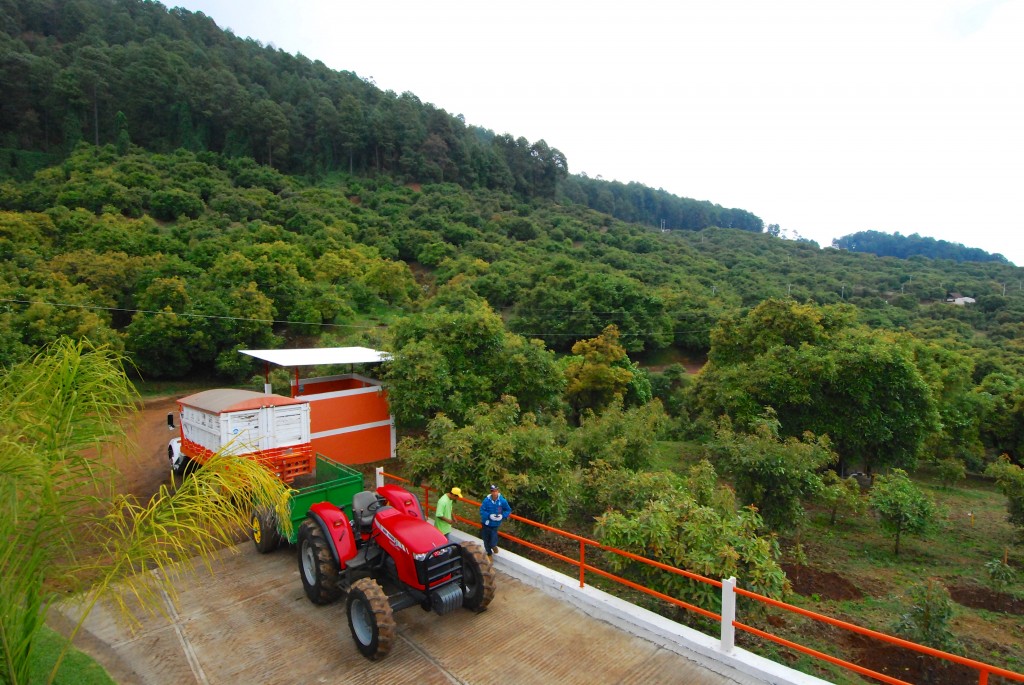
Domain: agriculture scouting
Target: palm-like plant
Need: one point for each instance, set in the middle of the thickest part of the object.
(63, 526)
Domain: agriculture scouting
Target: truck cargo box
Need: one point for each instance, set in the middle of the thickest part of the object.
(270, 428)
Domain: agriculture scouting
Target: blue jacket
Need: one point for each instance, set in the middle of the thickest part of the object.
(493, 512)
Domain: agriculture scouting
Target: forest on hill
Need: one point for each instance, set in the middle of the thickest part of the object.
(109, 71)
(904, 246)
(176, 194)
(182, 258)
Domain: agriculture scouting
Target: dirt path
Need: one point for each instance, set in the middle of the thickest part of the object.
(143, 467)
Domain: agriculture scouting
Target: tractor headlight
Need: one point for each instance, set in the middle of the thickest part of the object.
(442, 552)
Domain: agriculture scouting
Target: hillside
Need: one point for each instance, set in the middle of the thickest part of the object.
(240, 255)
(896, 245)
(120, 71)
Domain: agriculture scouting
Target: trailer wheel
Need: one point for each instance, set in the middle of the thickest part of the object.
(319, 573)
(370, 618)
(265, 533)
(478, 578)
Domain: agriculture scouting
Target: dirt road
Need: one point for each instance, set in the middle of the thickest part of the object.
(143, 467)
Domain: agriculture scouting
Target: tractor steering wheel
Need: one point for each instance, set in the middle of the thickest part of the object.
(375, 506)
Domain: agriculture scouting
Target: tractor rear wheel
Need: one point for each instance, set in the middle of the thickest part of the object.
(370, 618)
(265, 533)
(478, 577)
(317, 568)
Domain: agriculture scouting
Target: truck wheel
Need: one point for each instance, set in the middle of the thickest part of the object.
(179, 468)
(478, 577)
(370, 618)
(265, 533)
(319, 573)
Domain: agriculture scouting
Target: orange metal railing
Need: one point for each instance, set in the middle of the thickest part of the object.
(727, 618)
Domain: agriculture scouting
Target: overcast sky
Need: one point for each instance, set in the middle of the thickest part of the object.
(826, 118)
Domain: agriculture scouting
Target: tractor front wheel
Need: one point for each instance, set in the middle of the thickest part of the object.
(478, 577)
(370, 618)
(320, 574)
(265, 533)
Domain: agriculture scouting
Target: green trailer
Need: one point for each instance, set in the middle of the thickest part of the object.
(332, 482)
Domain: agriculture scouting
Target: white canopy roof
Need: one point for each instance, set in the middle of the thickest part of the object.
(318, 356)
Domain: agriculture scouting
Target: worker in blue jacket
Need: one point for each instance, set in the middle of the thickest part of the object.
(493, 510)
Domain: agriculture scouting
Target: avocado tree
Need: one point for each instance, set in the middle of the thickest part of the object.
(448, 360)
(840, 495)
(599, 374)
(499, 443)
(901, 507)
(1010, 479)
(769, 472)
(823, 374)
(672, 528)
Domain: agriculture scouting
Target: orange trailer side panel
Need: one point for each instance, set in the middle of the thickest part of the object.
(331, 413)
(286, 462)
(357, 447)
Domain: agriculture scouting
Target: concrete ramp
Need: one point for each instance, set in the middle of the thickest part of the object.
(250, 622)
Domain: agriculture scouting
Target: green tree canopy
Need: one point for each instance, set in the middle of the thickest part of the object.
(769, 472)
(901, 506)
(820, 373)
(449, 361)
(498, 444)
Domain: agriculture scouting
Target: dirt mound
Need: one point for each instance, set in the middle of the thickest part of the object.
(977, 597)
(809, 581)
(908, 665)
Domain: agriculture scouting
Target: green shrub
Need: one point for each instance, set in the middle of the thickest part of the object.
(1000, 573)
(927, 621)
(951, 470)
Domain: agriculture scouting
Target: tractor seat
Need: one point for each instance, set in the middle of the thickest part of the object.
(361, 512)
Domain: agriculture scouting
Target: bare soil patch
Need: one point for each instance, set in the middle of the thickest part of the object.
(809, 581)
(907, 665)
(978, 597)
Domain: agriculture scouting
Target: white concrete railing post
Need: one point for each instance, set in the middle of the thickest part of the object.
(379, 471)
(728, 615)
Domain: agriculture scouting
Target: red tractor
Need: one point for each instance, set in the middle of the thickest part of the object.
(387, 558)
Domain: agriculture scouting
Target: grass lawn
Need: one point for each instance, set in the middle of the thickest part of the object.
(77, 668)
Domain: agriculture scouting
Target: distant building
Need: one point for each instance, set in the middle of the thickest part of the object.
(957, 298)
